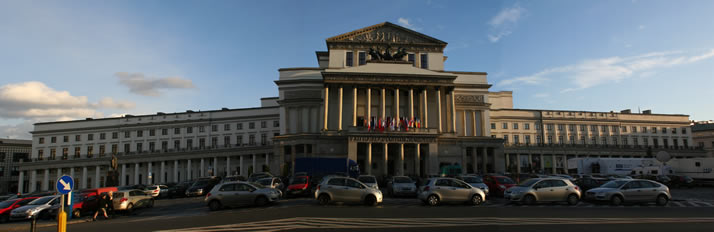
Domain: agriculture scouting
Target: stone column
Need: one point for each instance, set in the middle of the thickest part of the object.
(175, 171)
(473, 115)
(255, 167)
(339, 113)
(438, 105)
(432, 159)
(59, 173)
(33, 181)
(240, 165)
(149, 174)
(369, 105)
(354, 107)
(401, 160)
(21, 182)
(463, 123)
(553, 163)
(484, 166)
(453, 112)
(163, 178)
(202, 172)
(474, 156)
(189, 174)
(215, 166)
(228, 166)
(518, 163)
(327, 108)
(267, 160)
(46, 180)
(411, 103)
(369, 159)
(97, 183)
(417, 161)
(71, 173)
(542, 164)
(293, 153)
(464, 160)
(123, 175)
(396, 103)
(426, 111)
(386, 159)
(84, 177)
(384, 103)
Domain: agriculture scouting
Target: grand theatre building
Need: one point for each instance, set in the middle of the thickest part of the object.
(379, 96)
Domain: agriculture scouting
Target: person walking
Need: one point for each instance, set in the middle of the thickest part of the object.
(103, 205)
(110, 207)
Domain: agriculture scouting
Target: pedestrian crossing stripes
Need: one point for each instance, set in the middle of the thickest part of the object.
(307, 223)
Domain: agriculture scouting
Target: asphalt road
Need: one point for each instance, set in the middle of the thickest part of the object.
(409, 215)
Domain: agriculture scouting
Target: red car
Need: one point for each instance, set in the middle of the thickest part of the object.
(299, 185)
(498, 184)
(9, 205)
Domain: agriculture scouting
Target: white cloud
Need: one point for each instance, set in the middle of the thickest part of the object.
(34, 100)
(140, 84)
(16, 131)
(504, 22)
(404, 22)
(594, 72)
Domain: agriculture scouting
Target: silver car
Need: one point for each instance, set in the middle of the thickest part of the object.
(401, 186)
(554, 189)
(621, 191)
(129, 200)
(369, 180)
(272, 182)
(345, 189)
(36, 208)
(438, 190)
(233, 194)
(475, 181)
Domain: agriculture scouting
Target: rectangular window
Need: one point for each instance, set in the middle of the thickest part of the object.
(527, 126)
(76, 152)
(177, 131)
(77, 138)
(239, 140)
(152, 132)
(424, 61)
(561, 127)
(227, 127)
(65, 139)
(634, 129)
(493, 126)
(263, 139)
(614, 141)
(664, 130)
(582, 140)
(214, 128)
(41, 154)
(604, 128)
(239, 126)
(276, 123)
(214, 142)
(349, 60)
(53, 139)
(594, 140)
(152, 146)
(571, 127)
(53, 153)
(549, 126)
(537, 126)
(538, 139)
(102, 136)
(593, 128)
(90, 151)
(644, 129)
(189, 130)
(115, 135)
(412, 59)
(65, 153)
(550, 139)
(201, 129)
(684, 131)
(189, 143)
(505, 125)
(164, 131)
(583, 128)
(90, 137)
(615, 129)
(560, 139)
(263, 124)
(505, 139)
(515, 126)
(625, 140)
(572, 139)
(624, 128)
(362, 58)
(114, 148)
(42, 140)
(177, 144)
(202, 143)
(528, 139)
(127, 148)
(127, 134)
(674, 130)
(515, 139)
(226, 141)
(251, 125)
(603, 140)
(654, 130)
(140, 133)
(251, 140)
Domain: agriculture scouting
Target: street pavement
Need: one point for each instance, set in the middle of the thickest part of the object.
(304, 214)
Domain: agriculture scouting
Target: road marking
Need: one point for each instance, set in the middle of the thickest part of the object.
(705, 203)
(694, 204)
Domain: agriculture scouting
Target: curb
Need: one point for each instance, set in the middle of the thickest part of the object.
(25, 227)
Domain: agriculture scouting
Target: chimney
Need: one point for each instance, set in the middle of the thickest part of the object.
(627, 111)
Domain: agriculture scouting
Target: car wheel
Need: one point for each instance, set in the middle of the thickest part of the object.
(662, 200)
(616, 200)
(4, 219)
(476, 199)
(214, 205)
(529, 199)
(76, 213)
(129, 208)
(151, 204)
(44, 215)
(261, 201)
(432, 200)
(573, 199)
(370, 200)
(324, 199)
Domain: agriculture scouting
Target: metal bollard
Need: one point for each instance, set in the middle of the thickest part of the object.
(33, 224)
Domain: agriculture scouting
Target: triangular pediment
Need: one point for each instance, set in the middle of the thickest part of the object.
(386, 33)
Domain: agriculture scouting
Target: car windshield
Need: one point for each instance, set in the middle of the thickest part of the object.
(402, 180)
(528, 183)
(6, 204)
(367, 179)
(201, 183)
(265, 181)
(473, 179)
(613, 184)
(41, 201)
(504, 180)
(298, 180)
(258, 185)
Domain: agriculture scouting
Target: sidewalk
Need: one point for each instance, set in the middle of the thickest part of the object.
(25, 225)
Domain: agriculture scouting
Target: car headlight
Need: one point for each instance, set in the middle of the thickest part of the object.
(502, 186)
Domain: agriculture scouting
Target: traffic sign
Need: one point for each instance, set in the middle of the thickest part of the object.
(65, 184)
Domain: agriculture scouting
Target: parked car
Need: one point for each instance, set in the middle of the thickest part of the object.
(298, 186)
(258, 175)
(179, 190)
(153, 191)
(232, 194)
(537, 190)
(443, 189)
(498, 184)
(272, 182)
(369, 180)
(401, 186)
(476, 181)
(7, 206)
(678, 181)
(233, 178)
(586, 184)
(36, 208)
(130, 200)
(201, 187)
(81, 205)
(346, 189)
(570, 178)
(663, 179)
(622, 191)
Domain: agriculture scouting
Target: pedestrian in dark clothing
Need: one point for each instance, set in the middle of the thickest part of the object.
(103, 205)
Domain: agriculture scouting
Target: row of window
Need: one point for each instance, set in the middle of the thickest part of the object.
(613, 140)
(593, 128)
(164, 131)
(164, 146)
(362, 59)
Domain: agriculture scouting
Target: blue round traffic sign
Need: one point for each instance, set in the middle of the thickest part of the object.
(65, 184)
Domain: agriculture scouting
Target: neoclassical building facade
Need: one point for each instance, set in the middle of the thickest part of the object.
(379, 95)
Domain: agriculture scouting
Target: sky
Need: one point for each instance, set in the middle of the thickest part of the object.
(65, 60)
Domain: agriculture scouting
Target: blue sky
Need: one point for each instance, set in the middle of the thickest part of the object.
(65, 60)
